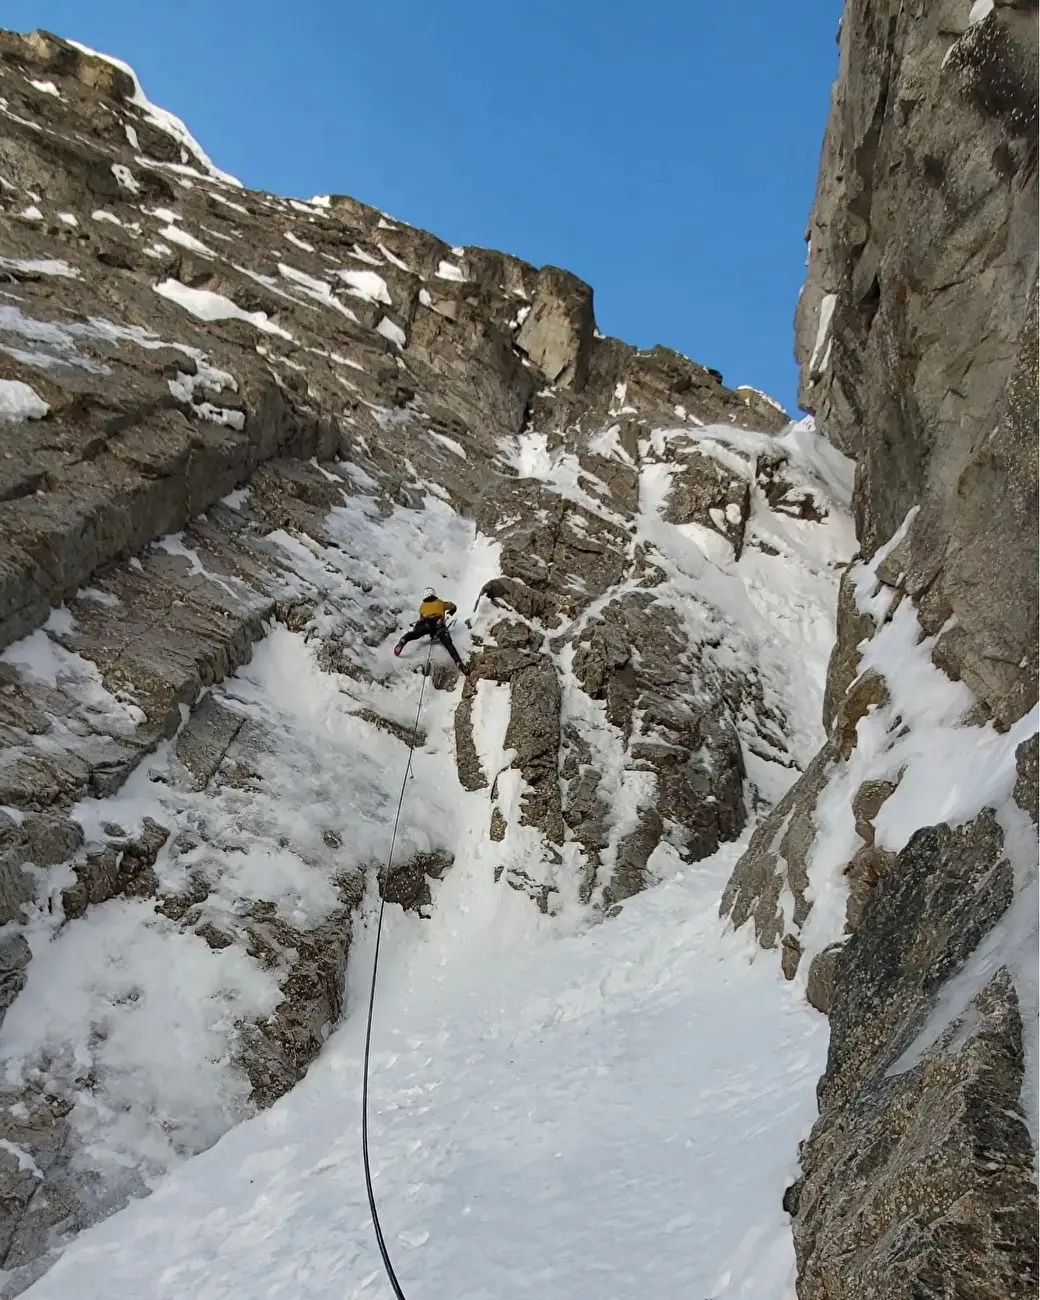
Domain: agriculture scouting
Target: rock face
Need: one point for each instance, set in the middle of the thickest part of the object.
(916, 336)
(916, 330)
(235, 404)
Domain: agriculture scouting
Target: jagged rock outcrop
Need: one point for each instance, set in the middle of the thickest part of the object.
(222, 405)
(916, 336)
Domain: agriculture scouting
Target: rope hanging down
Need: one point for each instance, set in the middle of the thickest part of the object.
(391, 1275)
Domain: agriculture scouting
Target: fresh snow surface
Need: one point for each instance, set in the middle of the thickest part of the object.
(449, 271)
(46, 88)
(611, 1111)
(20, 402)
(159, 117)
(210, 306)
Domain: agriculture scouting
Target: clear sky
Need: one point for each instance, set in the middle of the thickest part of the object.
(665, 151)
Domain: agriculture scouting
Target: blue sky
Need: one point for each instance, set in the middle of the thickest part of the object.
(665, 151)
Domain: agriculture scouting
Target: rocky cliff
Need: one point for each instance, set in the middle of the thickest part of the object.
(898, 875)
(239, 434)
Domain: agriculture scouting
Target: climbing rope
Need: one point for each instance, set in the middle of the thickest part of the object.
(391, 1275)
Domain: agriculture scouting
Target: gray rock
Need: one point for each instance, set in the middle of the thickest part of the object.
(203, 742)
(925, 1138)
(777, 857)
(851, 630)
(50, 840)
(276, 1053)
(1026, 784)
(557, 333)
(923, 240)
(823, 971)
(16, 885)
(704, 492)
(630, 875)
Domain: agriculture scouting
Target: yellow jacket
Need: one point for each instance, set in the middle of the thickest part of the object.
(436, 608)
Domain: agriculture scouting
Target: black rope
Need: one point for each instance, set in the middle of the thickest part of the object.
(372, 999)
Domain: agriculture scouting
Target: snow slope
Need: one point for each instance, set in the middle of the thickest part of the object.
(611, 1112)
(561, 1105)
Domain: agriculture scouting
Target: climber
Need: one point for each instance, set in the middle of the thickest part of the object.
(432, 613)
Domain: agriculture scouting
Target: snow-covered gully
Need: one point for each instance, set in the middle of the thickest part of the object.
(561, 1104)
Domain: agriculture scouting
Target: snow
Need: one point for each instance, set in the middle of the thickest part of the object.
(367, 285)
(757, 392)
(40, 266)
(210, 306)
(68, 218)
(160, 118)
(560, 1106)
(31, 213)
(392, 258)
(292, 239)
(126, 178)
(39, 658)
(946, 770)
(362, 256)
(505, 1141)
(229, 203)
(449, 271)
(20, 402)
(979, 10)
(178, 236)
(390, 331)
(25, 1161)
(424, 298)
(454, 447)
(827, 305)
(46, 88)
(317, 289)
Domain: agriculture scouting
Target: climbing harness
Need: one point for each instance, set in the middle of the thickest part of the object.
(391, 1275)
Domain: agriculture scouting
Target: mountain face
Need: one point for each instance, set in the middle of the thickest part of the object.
(916, 334)
(241, 434)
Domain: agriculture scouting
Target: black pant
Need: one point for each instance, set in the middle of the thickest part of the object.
(433, 627)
